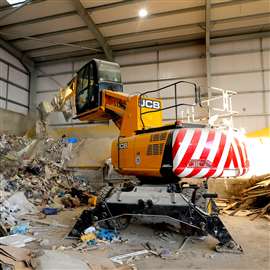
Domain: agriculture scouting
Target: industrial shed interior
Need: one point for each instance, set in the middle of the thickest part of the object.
(134, 134)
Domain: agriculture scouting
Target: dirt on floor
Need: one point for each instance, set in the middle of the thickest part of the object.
(253, 236)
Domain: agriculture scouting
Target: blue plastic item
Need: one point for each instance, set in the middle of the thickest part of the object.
(61, 194)
(72, 140)
(49, 211)
(20, 229)
(105, 234)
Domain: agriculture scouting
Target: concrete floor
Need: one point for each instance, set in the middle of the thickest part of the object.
(253, 236)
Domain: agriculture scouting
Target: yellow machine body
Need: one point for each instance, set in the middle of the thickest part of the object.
(139, 155)
(132, 154)
(126, 112)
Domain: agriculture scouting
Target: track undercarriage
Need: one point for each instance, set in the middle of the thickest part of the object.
(159, 205)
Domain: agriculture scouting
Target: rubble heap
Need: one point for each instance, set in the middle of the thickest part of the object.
(10, 145)
(34, 167)
(33, 178)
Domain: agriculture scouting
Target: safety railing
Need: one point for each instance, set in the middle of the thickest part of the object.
(218, 107)
(197, 98)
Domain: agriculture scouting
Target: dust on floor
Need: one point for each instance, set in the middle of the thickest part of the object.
(254, 237)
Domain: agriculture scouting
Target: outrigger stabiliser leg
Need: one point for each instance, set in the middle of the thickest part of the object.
(158, 205)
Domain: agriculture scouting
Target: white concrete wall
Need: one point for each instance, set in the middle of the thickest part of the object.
(243, 66)
(14, 84)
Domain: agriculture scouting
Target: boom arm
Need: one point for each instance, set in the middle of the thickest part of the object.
(125, 112)
(95, 94)
(119, 107)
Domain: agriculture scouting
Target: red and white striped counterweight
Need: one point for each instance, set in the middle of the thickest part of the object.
(204, 153)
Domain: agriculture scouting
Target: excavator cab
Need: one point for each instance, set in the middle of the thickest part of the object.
(92, 78)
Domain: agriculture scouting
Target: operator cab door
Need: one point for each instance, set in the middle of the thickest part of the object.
(87, 90)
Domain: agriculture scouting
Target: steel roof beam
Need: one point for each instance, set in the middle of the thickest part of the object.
(79, 55)
(175, 12)
(14, 6)
(69, 13)
(178, 11)
(117, 52)
(26, 61)
(160, 30)
(91, 43)
(61, 57)
(53, 34)
(238, 37)
(124, 35)
(93, 28)
(118, 49)
(177, 27)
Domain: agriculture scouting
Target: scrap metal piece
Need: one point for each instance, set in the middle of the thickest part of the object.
(119, 259)
(186, 239)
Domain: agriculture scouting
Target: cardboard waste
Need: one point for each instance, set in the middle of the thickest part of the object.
(15, 258)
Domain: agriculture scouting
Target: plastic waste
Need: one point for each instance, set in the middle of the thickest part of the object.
(61, 194)
(49, 211)
(19, 229)
(90, 229)
(105, 234)
(92, 242)
(88, 237)
(72, 140)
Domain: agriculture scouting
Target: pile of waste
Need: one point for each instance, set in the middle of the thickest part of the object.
(253, 201)
(34, 167)
(33, 178)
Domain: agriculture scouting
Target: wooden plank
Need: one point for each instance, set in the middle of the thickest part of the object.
(230, 206)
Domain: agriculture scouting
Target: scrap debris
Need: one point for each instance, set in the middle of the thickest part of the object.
(37, 172)
(253, 201)
(121, 258)
(15, 258)
(34, 181)
(16, 240)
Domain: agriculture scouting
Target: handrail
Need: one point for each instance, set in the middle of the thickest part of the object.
(197, 96)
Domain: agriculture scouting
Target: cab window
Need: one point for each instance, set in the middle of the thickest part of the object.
(86, 96)
(82, 90)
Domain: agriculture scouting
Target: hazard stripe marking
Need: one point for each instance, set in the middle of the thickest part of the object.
(212, 154)
(189, 152)
(205, 152)
(218, 156)
(182, 149)
(177, 140)
(223, 151)
(198, 152)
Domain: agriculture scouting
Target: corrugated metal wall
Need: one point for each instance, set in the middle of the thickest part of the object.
(243, 66)
(14, 84)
